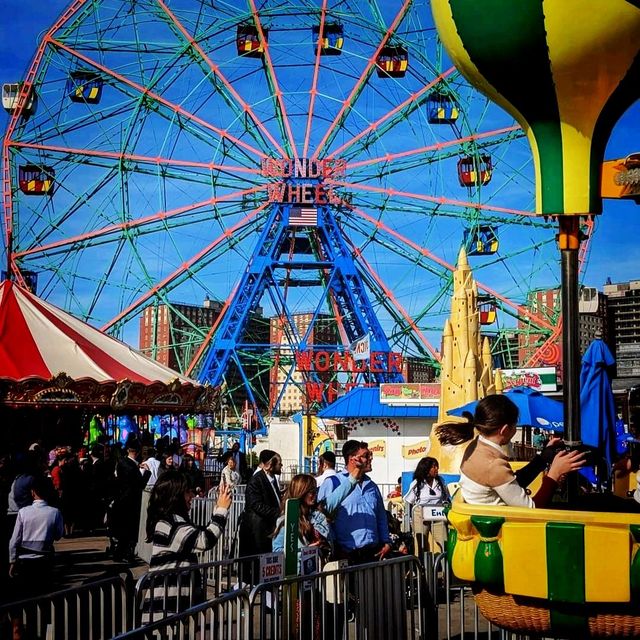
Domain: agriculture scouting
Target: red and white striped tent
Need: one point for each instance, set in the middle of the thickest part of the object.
(48, 357)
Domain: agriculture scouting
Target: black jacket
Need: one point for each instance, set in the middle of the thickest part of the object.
(262, 508)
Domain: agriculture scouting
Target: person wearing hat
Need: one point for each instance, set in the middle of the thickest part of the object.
(130, 484)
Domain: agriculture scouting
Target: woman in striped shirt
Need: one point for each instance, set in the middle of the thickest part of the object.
(176, 543)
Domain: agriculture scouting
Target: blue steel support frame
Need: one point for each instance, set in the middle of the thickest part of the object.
(342, 282)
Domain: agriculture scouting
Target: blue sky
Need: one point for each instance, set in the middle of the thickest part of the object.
(615, 252)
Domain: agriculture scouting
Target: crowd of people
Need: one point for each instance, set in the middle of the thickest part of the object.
(47, 495)
(53, 494)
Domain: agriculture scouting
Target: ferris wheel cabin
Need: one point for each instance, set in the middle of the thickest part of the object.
(487, 311)
(482, 241)
(248, 41)
(10, 95)
(84, 86)
(392, 62)
(35, 180)
(332, 39)
(441, 109)
(474, 171)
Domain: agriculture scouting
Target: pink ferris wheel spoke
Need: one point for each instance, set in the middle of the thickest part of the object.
(209, 337)
(533, 317)
(438, 146)
(185, 266)
(313, 92)
(396, 303)
(434, 199)
(282, 110)
(132, 157)
(156, 97)
(135, 224)
(414, 97)
(360, 83)
(218, 73)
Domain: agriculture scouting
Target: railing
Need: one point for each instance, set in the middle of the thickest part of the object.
(159, 594)
(201, 511)
(94, 611)
(375, 601)
(226, 617)
(398, 598)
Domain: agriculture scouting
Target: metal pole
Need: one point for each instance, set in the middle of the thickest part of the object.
(569, 244)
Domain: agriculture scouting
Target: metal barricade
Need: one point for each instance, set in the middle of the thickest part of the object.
(374, 601)
(201, 511)
(93, 611)
(159, 594)
(224, 618)
(458, 614)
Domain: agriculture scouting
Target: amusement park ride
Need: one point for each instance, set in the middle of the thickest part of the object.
(327, 160)
(566, 71)
(157, 153)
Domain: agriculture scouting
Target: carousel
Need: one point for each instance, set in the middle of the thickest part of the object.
(57, 372)
(566, 70)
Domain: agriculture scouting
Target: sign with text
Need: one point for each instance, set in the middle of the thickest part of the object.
(291, 524)
(403, 393)
(378, 448)
(540, 379)
(361, 348)
(417, 450)
(433, 514)
(309, 563)
(271, 567)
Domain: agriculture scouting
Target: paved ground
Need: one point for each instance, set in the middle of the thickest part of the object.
(82, 559)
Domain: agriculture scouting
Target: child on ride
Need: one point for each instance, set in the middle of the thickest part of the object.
(486, 477)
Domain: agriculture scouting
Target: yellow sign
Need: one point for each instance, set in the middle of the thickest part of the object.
(621, 178)
(378, 448)
(417, 450)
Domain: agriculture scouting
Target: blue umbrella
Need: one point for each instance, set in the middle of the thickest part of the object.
(597, 407)
(534, 409)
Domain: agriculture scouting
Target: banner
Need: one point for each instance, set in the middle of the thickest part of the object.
(417, 450)
(540, 379)
(406, 393)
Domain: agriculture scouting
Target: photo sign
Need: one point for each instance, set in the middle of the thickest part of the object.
(309, 563)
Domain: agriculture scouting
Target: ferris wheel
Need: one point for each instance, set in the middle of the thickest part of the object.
(155, 145)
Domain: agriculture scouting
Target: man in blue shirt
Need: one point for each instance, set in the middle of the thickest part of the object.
(31, 547)
(360, 521)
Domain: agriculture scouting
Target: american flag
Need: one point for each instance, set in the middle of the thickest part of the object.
(303, 217)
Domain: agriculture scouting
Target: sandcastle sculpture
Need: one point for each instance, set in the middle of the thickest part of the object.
(466, 374)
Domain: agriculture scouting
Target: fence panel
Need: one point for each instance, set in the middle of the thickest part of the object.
(374, 601)
(224, 618)
(159, 594)
(94, 611)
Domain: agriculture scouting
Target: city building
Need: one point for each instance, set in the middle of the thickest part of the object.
(592, 321)
(505, 348)
(547, 304)
(172, 333)
(623, 303)
(416, 369)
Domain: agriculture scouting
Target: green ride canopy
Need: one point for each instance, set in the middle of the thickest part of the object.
(565, 69)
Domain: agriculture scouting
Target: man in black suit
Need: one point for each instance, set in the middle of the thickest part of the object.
(262, 508)
(130, 483)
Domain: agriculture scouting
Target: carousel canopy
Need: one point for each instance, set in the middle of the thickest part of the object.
(47, 355)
